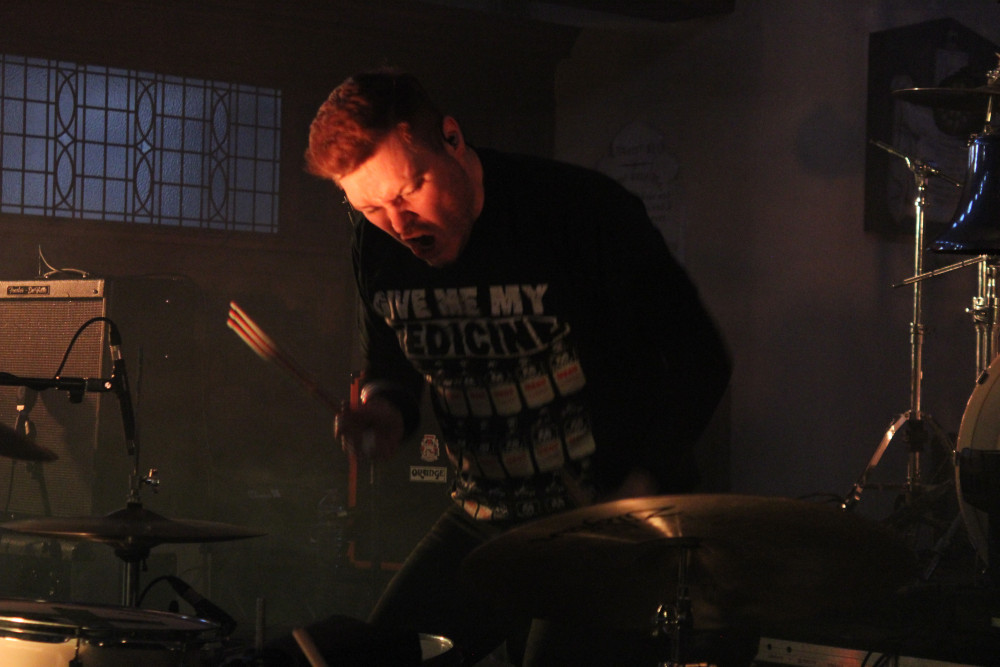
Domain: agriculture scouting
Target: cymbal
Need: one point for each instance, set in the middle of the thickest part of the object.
(15, 446)
(757, 560)
(133, 528)
(959, 99)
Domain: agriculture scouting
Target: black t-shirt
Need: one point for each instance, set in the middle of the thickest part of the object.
(562, 349)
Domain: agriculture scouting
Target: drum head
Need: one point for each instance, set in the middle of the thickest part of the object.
(979, 431)
(37, 633)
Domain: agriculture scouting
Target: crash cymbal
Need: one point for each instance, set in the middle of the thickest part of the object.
(958, 99)
(757, 560)
(133, 526)
(15, 446)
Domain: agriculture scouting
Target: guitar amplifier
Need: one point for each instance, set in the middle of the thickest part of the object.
(38, 322)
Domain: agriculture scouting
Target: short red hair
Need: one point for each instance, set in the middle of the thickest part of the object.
(361, 112)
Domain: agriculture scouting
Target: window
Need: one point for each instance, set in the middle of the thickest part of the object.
(101, 143)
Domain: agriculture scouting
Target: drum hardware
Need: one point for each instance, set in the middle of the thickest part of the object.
(975, 230)
(675, 620)
(915, 427)
(132, 531)
(758, 561)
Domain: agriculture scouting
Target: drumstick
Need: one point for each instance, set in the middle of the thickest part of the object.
(266, 349)
(308, 647)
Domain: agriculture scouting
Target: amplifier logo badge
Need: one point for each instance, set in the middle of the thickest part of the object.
(436, 474)
(430, 448)
(27, 290)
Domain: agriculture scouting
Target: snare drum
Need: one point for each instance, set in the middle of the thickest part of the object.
(52, 634)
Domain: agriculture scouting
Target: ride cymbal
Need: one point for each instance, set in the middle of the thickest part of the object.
(756, 560)
(131, 526)
(973, 100)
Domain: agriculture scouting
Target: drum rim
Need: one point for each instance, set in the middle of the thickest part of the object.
(52, 619)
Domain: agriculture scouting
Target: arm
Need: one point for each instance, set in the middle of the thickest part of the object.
(662, 361)
(388, 409)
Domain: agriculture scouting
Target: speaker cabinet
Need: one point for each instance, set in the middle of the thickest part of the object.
(38, 320)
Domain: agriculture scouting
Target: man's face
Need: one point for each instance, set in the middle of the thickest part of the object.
(425, 200)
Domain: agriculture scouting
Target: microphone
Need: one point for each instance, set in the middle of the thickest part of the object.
(203, 607)
(119, 382)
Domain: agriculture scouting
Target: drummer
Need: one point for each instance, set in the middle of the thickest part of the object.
(567, 354)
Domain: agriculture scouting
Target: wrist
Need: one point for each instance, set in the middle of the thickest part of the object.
(394, 394)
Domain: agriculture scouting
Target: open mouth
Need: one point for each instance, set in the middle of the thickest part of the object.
(418, 243)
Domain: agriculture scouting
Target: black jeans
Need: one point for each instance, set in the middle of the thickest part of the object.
(425, 596)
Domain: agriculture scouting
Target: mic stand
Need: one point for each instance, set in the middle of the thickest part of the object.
(76, 387)
(132, 552)
(916, 427)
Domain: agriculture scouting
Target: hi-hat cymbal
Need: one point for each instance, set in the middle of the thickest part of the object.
(757, 560)
(131, 528)
(15, 446)
(958, 99)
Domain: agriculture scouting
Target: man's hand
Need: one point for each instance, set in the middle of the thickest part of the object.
(372, 431)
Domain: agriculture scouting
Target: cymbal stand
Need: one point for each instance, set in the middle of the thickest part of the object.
(675, 619)
(912, 424)
(134, 555)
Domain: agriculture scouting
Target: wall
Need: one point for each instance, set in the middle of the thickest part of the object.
(763, 113)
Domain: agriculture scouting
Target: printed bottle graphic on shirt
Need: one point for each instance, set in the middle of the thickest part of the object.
(534, 383)
(545, 443)
(503, 390)
(456, 433)
(476, 393)
(487, 450)
(515, 454)
(566, 370)
(527, 504)
(452, 393)
(577, 432)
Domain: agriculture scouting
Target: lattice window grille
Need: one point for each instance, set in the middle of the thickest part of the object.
(93, 142)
